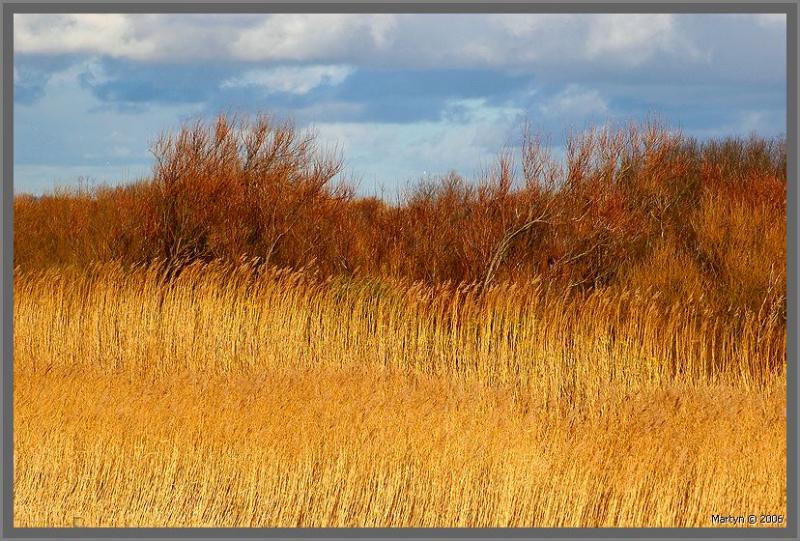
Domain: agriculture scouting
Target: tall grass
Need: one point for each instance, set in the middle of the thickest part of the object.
(375, 449)
(217, 318)
(221, 397)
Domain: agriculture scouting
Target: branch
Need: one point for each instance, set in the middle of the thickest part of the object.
(505, 244)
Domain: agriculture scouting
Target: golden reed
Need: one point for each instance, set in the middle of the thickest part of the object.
(227, 396)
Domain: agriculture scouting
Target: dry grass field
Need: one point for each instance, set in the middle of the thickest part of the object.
(232, 398)
(241, 341)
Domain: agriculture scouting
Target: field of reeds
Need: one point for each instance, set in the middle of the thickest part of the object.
(242, 341)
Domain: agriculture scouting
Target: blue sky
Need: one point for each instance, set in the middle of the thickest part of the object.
(402, 96)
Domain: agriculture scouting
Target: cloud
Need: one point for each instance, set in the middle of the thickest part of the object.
(635, 38)
(68, 126)
(574, 101)
(111, 34)
(32, 73)
(291, 79)
(556, 47)
(467, 138)
(616, 41)
(314, 92)
(401, 93)
(314, 37)
(123, 83)
(433, 40)
(181, 38)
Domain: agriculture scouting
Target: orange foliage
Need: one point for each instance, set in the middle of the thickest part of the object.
(624, 207)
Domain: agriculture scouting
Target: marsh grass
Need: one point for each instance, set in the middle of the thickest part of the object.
(231, 398)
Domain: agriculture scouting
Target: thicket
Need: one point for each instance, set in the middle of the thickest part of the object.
(633, 207)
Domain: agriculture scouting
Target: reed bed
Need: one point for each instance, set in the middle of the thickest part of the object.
(221, 319)
(226, 395)
(366, 449)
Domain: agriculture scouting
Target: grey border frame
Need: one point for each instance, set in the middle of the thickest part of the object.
(788, 7)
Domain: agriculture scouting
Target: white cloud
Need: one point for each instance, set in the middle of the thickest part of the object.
(390, 155)
(110, 34)
(612, 39)
(196, 37)
(380, 39)
(564, 46)
(313, 37)
(574, 101)
(632, 38)
(291, 79)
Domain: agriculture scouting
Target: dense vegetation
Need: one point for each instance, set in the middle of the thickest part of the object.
(242, 341)
(636, 207)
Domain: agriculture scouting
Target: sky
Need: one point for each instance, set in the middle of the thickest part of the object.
(403, 97)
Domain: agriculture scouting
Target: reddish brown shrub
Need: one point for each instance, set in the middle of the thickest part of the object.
(635, 207)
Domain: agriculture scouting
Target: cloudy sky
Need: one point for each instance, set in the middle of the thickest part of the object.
(403, 96)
